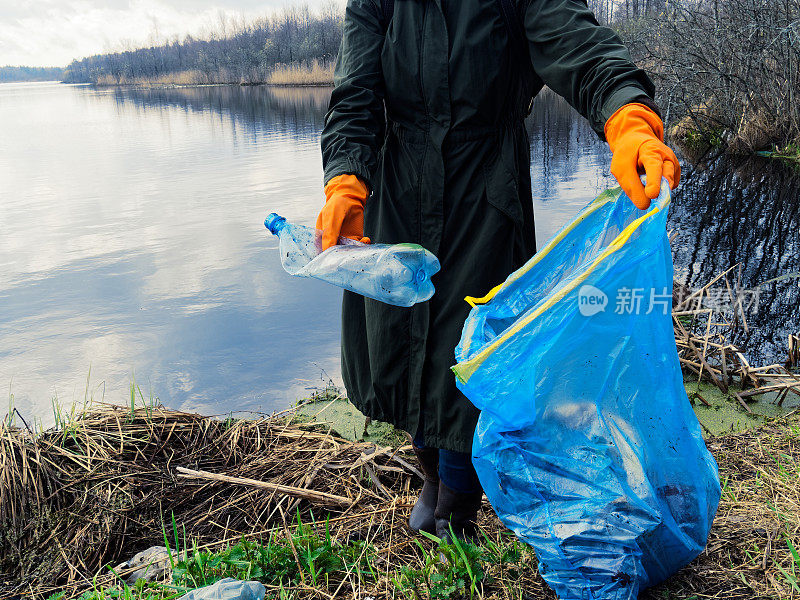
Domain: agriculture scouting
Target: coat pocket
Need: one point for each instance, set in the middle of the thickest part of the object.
(502, 182)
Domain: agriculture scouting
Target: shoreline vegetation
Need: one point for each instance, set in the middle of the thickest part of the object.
(295, 46)
(289, 503)
(313, 74)
(313, 502)
(727, 75)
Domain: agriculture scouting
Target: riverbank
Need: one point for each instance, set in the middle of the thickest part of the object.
(701, 140)
(311, 74)
(287, 501)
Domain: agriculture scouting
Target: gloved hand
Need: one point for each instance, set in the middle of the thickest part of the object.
(636, 136)
(343, 213)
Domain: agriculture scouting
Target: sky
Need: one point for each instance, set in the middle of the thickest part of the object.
(45, 33)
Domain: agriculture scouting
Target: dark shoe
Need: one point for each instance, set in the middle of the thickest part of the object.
(422, 518)
(457, 511)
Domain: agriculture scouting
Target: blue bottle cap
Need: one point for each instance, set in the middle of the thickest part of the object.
(274, 223)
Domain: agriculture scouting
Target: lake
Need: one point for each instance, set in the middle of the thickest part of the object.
(133, 245)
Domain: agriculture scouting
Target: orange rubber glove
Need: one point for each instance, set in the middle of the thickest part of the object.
(343, 213)
(636, 136)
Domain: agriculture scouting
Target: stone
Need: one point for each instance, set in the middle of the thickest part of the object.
(151, 565)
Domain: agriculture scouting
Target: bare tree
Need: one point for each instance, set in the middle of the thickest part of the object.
(732, 68)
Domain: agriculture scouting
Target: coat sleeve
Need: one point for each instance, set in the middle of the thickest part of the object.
(355, 122)
(582, 61)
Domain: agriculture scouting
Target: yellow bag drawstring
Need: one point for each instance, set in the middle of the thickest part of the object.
(473, 302)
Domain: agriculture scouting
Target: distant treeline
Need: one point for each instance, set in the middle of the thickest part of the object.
(238, 52)
(31, 74)
(293, 46)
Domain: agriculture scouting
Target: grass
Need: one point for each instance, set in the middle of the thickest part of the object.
(696, 138)
(82, 497)
(788, 153)
(460, 569)
(92, 491)
(304, 556)
(751, 551)
(309, 557)
(192, 77)
(701, 135)
(794, 566)
(314, 73)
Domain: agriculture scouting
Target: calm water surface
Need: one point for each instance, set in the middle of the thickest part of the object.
(132, 243)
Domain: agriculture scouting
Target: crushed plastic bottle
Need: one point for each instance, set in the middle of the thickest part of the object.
(228, 589)
(398, 274)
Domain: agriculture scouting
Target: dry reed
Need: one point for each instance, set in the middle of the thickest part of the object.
(97, 491)
(177, 78)
(702, 333)
(314, 73)
(100, 488)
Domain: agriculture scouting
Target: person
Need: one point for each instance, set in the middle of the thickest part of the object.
(424, 141)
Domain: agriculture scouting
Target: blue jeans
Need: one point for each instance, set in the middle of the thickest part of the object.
(455, 468)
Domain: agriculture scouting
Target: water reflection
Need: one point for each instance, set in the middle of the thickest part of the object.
(133, 240)
(569, 164)
(299, 112)
(745, 212)
(133, 243)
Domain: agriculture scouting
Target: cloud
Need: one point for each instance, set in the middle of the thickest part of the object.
(53, 32)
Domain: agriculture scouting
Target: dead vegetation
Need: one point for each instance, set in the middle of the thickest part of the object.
(99, 490)
(752, 548)
(177, 78)
(297, 74)
(108, 484)
(703, 320)
(313, 73)
(728, 72)
(75, 498)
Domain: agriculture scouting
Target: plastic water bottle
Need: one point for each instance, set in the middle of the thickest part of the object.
(398, 274)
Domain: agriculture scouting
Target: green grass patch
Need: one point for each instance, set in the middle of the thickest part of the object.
(458, 570)
(308, 556)
(788, 154)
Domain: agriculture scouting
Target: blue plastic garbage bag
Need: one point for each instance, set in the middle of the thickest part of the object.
(587, 446)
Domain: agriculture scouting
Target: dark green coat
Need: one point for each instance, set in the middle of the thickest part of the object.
(429, 111)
